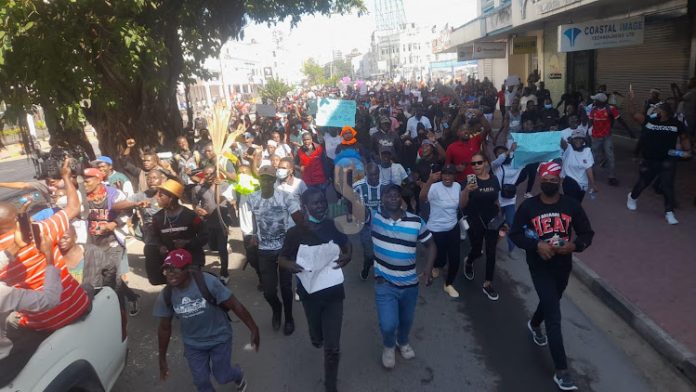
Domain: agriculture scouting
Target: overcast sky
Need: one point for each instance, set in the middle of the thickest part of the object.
(317, 37)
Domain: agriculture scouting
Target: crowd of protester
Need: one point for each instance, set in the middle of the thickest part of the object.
(426, 165)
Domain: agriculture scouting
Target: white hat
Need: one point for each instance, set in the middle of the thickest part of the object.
(272, 143)
(601, 97)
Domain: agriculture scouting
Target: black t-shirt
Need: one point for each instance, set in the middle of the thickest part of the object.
(658, 137)
(549, 117)
(482, 202)
(530, 115)
(313, 234)
(186, 225)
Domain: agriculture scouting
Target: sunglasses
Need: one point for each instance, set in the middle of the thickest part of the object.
(476, 163)
(171, 269)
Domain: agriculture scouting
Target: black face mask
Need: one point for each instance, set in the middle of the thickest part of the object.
(550, 188)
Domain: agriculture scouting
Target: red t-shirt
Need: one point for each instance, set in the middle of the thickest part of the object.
(601, 124)
(27, 271)
(501, 98)
(460, 152)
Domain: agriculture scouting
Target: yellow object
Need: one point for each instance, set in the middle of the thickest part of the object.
(246, 184)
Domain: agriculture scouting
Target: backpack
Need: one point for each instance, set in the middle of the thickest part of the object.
(197, 276)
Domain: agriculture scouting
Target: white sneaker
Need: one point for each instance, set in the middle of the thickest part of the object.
(669, 216)
(389, 358)
(297, 297)
(407, 352)
(631, 203)
(528, 195)
(449, 289)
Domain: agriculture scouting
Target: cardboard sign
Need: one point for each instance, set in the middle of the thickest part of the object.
(335, 113)
(265, 110)
(536, 147)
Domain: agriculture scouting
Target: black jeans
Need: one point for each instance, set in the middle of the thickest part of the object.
(252, 255)
(550, 280)
(25, 342)
(529, 173)
(448, 251)
(153, 265)
(572, 189)
(217, 240)
(649, 170)
(271, 276)
(324, 319)
(478, 234)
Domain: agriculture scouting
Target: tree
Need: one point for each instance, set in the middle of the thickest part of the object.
(274, 89)
(313, 72)
(118, 63)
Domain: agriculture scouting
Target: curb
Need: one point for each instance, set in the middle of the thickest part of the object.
(675, 352)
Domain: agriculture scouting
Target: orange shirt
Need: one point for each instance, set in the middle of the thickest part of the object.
(27, 271)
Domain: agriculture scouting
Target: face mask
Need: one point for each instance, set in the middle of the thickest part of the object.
(445, 126)
(653, 116)
(507, 159)
(314, 219)
(282, 173)
(550, 188)
(549, 106)
(62, 202)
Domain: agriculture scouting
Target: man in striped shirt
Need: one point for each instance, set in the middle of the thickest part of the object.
(27, 271)
(395, 235)
(368, 190)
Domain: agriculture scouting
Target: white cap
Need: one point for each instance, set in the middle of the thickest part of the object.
(601, 97)
(272, 143)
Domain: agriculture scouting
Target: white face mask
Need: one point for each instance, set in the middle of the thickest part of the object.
(62, 202)
(282, 173)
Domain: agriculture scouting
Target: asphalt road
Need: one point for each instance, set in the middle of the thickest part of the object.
(468, 344)
(15, 170)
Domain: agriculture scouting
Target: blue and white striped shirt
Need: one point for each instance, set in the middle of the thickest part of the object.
(395, 244)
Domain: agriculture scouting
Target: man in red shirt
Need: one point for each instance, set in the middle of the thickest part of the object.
(471, 134)
(602, 117)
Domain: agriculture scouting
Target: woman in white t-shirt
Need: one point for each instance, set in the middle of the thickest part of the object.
(577, 166)
(444, 198)
(507, 176)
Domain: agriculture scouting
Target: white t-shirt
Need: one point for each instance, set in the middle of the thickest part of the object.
(444, 203)
(330, 143)
(271, 217)
(575, 165)
(412, 125)
(511, 176)
(283, 150)
(297, 188)
(395, 174)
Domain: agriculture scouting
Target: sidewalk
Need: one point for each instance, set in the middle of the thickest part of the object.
(643, 268)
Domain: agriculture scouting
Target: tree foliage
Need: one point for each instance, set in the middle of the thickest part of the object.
(313, 72)
(118, 63)
(274, 89)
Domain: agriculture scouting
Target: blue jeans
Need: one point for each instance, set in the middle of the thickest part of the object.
(509, 214)
(396, 308)
(219, 357)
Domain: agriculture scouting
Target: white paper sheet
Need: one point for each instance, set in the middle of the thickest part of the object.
(318, 262)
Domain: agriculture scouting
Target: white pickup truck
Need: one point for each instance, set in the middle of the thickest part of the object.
(88, 355)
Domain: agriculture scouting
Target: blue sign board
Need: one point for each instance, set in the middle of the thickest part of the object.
(335, 112)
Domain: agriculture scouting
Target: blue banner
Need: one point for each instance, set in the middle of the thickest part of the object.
(536, 147)
(335, 113)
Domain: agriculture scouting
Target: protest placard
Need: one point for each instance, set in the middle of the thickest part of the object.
(536, 147)
(335, 112)
(265, 110)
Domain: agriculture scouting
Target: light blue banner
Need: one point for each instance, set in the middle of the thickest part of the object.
(536, 147)
(335, 113)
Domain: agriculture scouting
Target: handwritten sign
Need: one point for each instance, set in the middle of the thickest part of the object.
(335, 113)
(536, 147)
(265, 110)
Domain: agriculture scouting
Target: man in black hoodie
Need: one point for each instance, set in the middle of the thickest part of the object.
(543, 227)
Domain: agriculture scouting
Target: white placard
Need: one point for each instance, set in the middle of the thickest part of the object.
(318, 262)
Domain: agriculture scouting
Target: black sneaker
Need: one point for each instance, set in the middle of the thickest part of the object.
(491, 293)
(275, 322)
(469, 271)
(364, 274)
(613, 181)
(134, 307)
(564, 381)
(537, 334)
(289, 327)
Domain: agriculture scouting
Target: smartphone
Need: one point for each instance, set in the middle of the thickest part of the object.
(25, 227)
(471, 179)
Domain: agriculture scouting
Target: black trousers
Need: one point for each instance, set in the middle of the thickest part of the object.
(664, 170)
(448, 251)
(252, 255)
(478, 234)
(550, 281)
(153, 265)
(572, 189)
(528, 173)
(217, 240)
(271, 278)
(324, 319)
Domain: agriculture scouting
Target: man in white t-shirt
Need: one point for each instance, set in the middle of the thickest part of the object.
(331, 140)
(412, 123)
(577, 166)
(282, 149)
(389, 172)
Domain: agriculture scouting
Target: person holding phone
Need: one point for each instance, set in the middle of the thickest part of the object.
(480, 204)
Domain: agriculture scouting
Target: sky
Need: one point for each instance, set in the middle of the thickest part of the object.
(317, 37)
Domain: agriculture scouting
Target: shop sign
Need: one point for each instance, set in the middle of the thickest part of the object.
(540, 7)
(601, 34)
(555, 75)
(490, 50)
(465, 53)
(524, 45)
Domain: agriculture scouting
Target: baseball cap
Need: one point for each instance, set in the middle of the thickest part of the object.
(449, 169)
(601, 97)
(550, 169)
(93, 172)
(267, 170)
(426, 142)
(248, 135)
(578, 133)
(104, 159)
(178, 258)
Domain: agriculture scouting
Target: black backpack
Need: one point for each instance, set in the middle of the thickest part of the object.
(197, 276)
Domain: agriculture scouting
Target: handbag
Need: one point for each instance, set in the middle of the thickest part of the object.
(507, 191)
(463, 226)
(496, 223)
